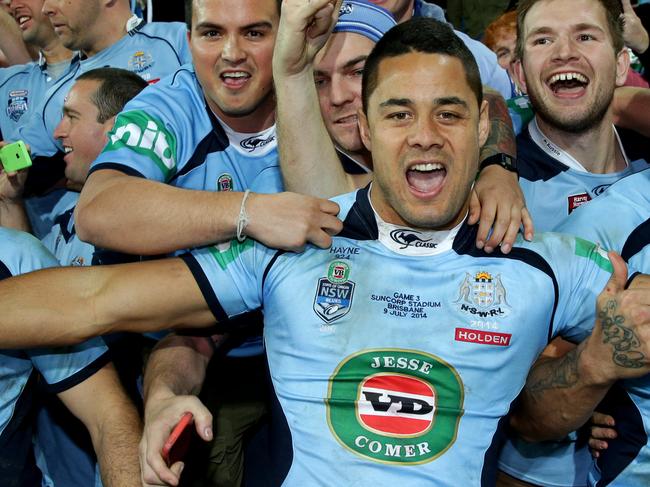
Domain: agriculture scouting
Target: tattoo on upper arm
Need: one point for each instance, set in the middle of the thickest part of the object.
(622, 338)
(555, 373)
(502, 135)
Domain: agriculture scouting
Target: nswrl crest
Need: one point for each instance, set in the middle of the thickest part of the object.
(334, 293)
(482, 290)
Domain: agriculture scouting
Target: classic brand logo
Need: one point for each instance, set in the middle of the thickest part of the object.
(334, 293)
(253, 143)
(147, 136)
(483, 295)
(598, 190)
(411, 238)
(395, 406)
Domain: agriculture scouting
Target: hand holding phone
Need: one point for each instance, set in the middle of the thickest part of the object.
(179, 440)
(15, 156)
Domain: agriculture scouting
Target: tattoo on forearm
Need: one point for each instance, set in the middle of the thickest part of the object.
(622, 338)
(553, 375)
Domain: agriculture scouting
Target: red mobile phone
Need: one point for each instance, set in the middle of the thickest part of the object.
(179, 440)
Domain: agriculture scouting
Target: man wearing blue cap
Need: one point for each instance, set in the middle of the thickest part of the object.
(337, 70)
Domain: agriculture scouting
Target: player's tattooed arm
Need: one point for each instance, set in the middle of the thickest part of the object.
(502, 135)
(561, 393)
(497, 200)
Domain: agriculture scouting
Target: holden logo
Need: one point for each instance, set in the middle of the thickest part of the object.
(253, 143)
(401, 407)
(411, 238)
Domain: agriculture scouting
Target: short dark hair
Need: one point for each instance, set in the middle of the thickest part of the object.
(117, 86)
(613, 10)
(425, 35)
(188, 11)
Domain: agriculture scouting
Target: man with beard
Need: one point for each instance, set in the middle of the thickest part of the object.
(569, 64)
(570, 67)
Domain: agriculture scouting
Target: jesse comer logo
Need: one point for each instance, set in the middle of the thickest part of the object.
(400, 407)
(411, 238)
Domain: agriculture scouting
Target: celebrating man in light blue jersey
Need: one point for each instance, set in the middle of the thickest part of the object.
(81, 376)
(570, 153)
(390, 363)
(335, 64)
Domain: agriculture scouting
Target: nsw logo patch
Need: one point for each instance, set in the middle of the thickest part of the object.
(17, 104)
(401, 407)
(334, 293)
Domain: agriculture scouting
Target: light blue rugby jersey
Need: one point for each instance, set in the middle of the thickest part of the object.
(22, 88)
(62, 368)
(620, 221)
(399, 369)
(168, 134)
(552, 189)
(151, 50)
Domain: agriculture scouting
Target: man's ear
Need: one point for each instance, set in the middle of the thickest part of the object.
(622, 66)
(520, 76)
(364, 130)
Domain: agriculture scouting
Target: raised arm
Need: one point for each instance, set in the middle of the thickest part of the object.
(173, 378)
(561, 393)
(113, 423)
(308, 158)
(69, 305)
(143, 217)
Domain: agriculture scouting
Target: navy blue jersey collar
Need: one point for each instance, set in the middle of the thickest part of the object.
(361, 224)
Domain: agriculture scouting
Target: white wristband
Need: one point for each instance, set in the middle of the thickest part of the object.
(242, 219)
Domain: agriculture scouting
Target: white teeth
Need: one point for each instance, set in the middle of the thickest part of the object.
(568, 77)
(235, 75)
(22, 19)
(426, 167)
(67, 150)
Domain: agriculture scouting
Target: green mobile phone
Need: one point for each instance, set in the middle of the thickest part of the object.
(15, 157)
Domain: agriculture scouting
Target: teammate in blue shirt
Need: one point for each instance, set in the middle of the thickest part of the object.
(397, 352)
(82, 378)
(570, 153)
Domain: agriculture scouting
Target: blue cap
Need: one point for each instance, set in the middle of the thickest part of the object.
(365, 18)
